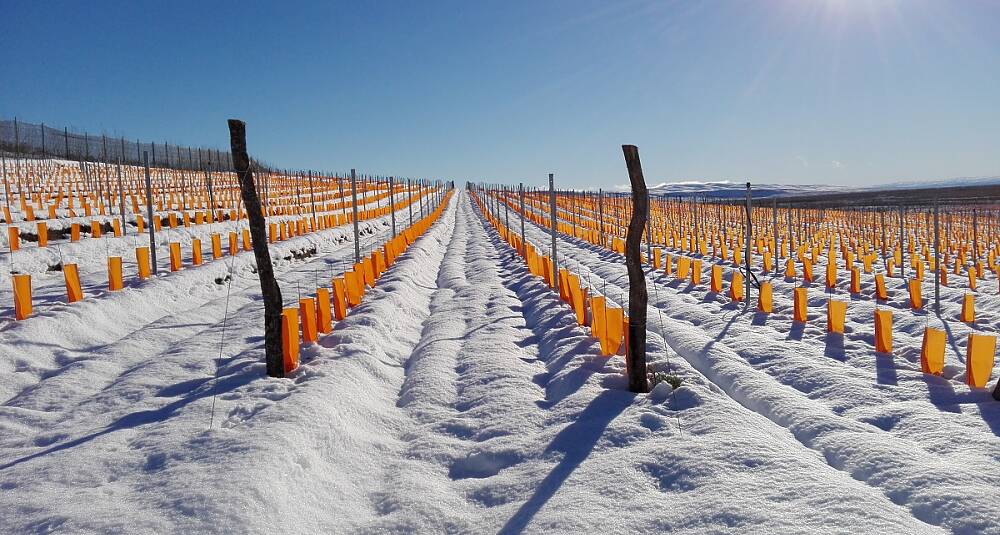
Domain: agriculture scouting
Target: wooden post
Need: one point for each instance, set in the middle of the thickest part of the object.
(409, 197)
(6, 185)
(552, 205)
(975, 237)
(885, 261)
(312, 199)
(420, 197)
(149, 213)
(572, 214)
(506, 214)
(524, 244)
(600, 209)
(121, 199)
(902, 249)
(354, 202)
(211, 195)
(788, 232)
(265, 271)
(637, 297)
(937, 262)
(774, 230)
(392, 210)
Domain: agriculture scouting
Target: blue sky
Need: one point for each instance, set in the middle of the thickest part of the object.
(797, 91)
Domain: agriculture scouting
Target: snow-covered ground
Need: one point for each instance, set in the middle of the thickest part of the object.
(461, 397)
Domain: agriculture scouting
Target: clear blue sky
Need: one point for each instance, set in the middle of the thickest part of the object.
(797, 91)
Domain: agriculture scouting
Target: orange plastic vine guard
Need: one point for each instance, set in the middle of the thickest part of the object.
(736, 287)
(12, 238)
(615, 328)
(968, 314)
(598, 320)
(980, 353)
(22, 295)
(355, 286)
(579, 298)
(683, 267)
(307, 315)
(932, 351)
(916, 301)
(836, 311)
(195, 252)
(564, 291)
(72, 275)
(880, 292)
(43, 233)
(883, 331)
(368, 271)
(290, 338)
(114, 273)
(800, 305)
(765, 298)
(142, 260)
(175, 256)
(715, 281)
(324, 320)
(216, 246)
(339, 298)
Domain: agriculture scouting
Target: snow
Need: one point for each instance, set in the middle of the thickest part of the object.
(461, 397)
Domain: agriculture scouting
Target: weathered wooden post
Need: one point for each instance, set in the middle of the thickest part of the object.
(555, 262)
(774, 230)
(524, 244)
(637, 297)
(975, 237)
(600, 208)
(885, 261)
(354, 202)
(392, 209)
(902, 248)
(506, 214)
(312, 200)
(937, 261)
(121, 199)
(420, 196)
(268, 285)
(149, 213)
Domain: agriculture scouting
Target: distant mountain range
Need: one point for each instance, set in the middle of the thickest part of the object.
(726, 189)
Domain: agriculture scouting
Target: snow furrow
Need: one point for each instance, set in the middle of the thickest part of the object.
(614, 446)
(144, 439)
(869, 450)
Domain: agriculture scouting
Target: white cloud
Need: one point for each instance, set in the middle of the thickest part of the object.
(836, 164)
